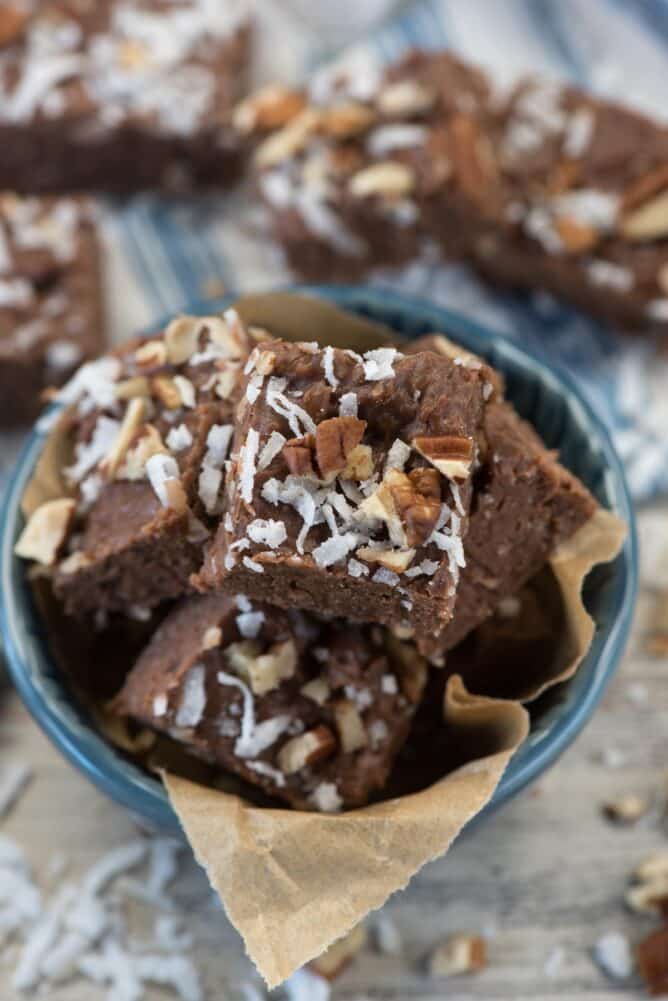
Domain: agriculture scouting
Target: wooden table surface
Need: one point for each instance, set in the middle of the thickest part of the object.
(546, 873)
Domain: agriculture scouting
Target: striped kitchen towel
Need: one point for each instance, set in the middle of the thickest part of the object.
(164, 254)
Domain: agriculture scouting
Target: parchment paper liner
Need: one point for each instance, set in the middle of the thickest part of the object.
(294, 882)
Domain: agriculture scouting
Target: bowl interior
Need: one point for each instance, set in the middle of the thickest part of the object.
(543, 395)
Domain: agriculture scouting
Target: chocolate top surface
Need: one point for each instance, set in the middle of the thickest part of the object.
(168, 65)
(354, 466)
(252, 687)
(543, 166)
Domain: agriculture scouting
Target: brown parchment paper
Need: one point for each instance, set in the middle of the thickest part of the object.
(293, 882)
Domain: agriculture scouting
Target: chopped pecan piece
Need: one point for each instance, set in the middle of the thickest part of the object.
(166, 390)
(397, 560)
(135, 416)
(359, 465)
(410, 667)
(46, 531)
(299, 455)
(271, 107)
(335, 439)
(452, 456)
(649, 221)
(335, 960)
(459, 953)
(352, 733)
(576, 237)
(389, 179)
(307, 749)
(347, 119)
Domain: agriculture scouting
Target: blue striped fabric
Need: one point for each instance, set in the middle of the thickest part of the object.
(163, 254)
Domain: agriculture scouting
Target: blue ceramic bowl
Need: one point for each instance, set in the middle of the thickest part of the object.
(547, 397)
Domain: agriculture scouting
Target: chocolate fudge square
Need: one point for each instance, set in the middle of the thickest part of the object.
(350, 483)
(313, 712)
(539, 187)
(120, 94)
(149, 427)
(525, 504)
(51, 310)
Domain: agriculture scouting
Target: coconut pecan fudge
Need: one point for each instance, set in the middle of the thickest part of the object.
(51, 316)
(148, 430)
(525, 504)
(311, 711)
(350, 483)
(542, 187)
(120, 94)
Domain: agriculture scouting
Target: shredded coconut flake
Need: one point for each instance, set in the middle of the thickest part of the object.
(252, 565)
(247, 465)
(379, 364)
(193, 698)
(357, 569)
(328, 366)
(255, 737)
(88, 454)
(249, 624)
(385, 576)
(348, 405)
(270, 450)
(334, 549)
(179, 438)
(267, 532)
(160, 705)
(398, 455)
(159, 469)
(325, 797)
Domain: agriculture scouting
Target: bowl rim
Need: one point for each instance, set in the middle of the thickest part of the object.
(133, 788)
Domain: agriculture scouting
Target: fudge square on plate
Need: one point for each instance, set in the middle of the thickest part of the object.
(313, 711)
(541, 186)
(525, 504)
(350, 483)
(149, 428)
(118, 95)
(51, 311)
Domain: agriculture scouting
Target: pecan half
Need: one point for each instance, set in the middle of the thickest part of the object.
(450, 454)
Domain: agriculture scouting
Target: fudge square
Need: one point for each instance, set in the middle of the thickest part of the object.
(149, 428)
(312, 711)
(119, 95)
(350, 483)
(51, 311)
(526, 503)
(540, 186)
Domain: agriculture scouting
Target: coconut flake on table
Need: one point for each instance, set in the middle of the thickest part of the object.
(159, 469)
(379, 363)
(328, 366)
(387, 138)
(193, 698)
(291, 411)
(179, 438)
(612, 953)
(88, 454)
(14, 777)
(247, 459)
(270, 449)
(348, 405)
(255, 737)
(601, 272)
(267, 531)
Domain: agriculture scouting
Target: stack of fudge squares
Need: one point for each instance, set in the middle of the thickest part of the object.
(315, 529)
